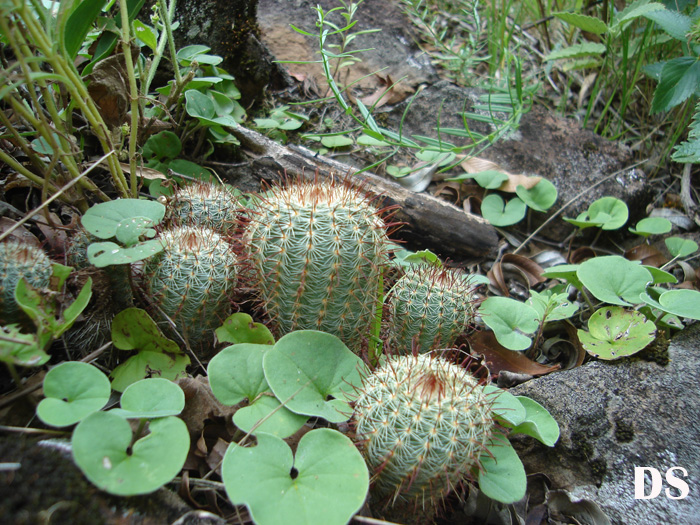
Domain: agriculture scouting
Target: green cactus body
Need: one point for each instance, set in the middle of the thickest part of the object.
(19, 261)
(433, 303)
(318, 251)
(422, 424)
(190, 279)
(207, 205)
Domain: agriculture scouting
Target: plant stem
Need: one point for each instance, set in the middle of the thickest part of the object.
(134, 95)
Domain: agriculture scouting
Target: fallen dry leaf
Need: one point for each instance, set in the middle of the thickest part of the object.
(476, 165)
(200, 404)
(389, 93)
(647, 255)
(500, 358)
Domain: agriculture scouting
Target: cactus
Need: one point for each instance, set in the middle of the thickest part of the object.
(433, 303)
(205, 204)
(422, 423)
(318, 251)
(19, 261)
(190, 279)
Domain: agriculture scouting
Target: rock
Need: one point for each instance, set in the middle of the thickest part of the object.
(229, 28)
(391, 50)
(545, 144)
(615, 416)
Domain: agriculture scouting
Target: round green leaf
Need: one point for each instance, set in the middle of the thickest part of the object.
(614, 279)
(102, 449)
(499, 214)
(279, 421)
(510, 320)
(489, 179)
(236, 373)
(129, 231)
(583, 221)
(199, 105)
(610, 212)
(503, 476)
(566, 272)
(240, 328)
(305, 369)
(104, 219)
(151, 398)
(652, 226)
(325, 484)
(540, 197)
(73, 390)
(101, 254)
(336, 141)
(679, 247)
(614, 332)
(683, 303)
(505, 405)
(537, 423)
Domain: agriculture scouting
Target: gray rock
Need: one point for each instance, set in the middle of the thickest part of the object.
(615, 416)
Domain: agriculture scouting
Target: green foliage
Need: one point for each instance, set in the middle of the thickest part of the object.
(318, 251)
(189, 280)
(607, 213)
(324, 483)
(240, 328)
(17, 348)
(614, 279)
(150, 399)
(120, 462)
(551, 305)
(133, 329)
(73, 390)
(432, 304)
(500, 213)
(614, 332)
(510, 320)
(652, 226)
(679, 247)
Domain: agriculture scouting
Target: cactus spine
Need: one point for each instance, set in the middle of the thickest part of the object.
(204, 204)
(190, 279)
(19, 261)
(433, 303)
(422, 423)
(318, 250)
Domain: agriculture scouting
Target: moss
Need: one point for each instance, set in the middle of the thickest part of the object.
(624, 431)
(598, 468)
(657, 351)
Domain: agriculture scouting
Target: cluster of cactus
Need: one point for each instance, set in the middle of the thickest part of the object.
(430, 306)
(20, 261)
(204, 204)
(422, 423)
(318, 250)
(190, 280)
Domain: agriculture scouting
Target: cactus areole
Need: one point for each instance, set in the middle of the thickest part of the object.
(422, 424)
(318, 250)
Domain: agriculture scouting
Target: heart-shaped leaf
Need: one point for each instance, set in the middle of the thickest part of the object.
(149, 364)
(101, 254)
(540, 197)
(103, 450)
(537, 423)
(240, 328)
(503, 476)
(104, 219)
(505, 405)
(683, 303)
(510, 321)
(652, 226)
(151, 398)
(497, 213)
(679, 247)
(614, 279)
(73, 390)
(610, 212)
(325, 484)
(305, 369)
(235, 374)
(614, 332)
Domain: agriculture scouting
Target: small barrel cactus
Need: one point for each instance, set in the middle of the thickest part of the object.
(204, 204)
(422, 423)
(318, 250)
(190, 280)
(436, 304)
(19, 261)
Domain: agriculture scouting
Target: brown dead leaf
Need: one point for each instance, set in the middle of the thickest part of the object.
(529, 268)
(476, 165)
(109, 88)
(200, 404)
(55, 233)
(581, 254)
(216, 455)
(389, 93)
(500, 358)
(19, 234)
(647, 255)
(143, 171)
